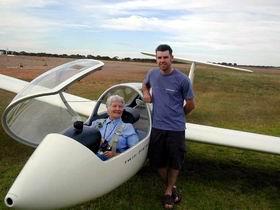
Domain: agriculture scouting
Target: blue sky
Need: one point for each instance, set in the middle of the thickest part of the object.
(240, 31)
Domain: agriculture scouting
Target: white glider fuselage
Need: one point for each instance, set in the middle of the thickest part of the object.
(62, 172)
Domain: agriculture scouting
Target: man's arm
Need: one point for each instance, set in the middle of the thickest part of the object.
(189, 106)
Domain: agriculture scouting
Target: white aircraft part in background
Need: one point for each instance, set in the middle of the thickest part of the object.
(63, 171)
(182, 60)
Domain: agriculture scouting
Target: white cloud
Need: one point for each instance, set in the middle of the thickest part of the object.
(132, 23)
(241, 27)
(12, 4)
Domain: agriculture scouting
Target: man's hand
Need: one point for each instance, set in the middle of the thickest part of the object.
(189, 106)
(146, 93)
(147, 97)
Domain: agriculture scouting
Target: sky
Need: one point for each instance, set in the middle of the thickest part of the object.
(245, 32)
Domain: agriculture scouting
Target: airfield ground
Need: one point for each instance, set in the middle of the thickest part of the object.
(28, 67)
(214, 177)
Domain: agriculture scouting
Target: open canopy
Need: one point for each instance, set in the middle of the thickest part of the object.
(42, 107)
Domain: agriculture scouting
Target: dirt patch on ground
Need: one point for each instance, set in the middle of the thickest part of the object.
(29, 67)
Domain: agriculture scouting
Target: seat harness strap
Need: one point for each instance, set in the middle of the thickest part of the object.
(116, 136)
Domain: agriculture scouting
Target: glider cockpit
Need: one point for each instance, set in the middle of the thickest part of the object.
(43, 106)
(135, 112)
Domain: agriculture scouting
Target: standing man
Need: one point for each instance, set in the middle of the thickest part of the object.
(172, 96)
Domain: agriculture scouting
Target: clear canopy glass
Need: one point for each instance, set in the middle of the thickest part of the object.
(42, 107)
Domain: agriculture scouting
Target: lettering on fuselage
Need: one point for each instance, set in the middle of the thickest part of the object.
(133, 156)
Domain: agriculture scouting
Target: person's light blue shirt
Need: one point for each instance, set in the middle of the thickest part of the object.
(127, 138)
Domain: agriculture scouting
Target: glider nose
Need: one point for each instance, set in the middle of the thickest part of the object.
(52, 177)
(9, 200)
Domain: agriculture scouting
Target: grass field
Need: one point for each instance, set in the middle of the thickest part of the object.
(214, 177)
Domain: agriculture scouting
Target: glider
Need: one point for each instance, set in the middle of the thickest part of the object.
(64, 170)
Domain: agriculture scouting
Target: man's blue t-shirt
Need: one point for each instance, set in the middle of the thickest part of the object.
(168, 95)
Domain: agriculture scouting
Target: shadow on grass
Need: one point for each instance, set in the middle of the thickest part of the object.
(231, 183)
(226, 172)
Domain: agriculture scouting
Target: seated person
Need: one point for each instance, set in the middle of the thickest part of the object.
(117, 136)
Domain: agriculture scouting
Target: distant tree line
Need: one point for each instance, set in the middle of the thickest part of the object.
(76, 56)
(235, 65)
(98, 57)
(227, 64)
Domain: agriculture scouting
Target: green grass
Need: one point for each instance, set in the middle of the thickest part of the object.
(238, 100)
(214, 177)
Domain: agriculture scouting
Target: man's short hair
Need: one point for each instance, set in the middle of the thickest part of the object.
(164, 47)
